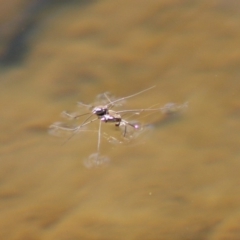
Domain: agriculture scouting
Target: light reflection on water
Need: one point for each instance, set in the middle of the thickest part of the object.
(181, 181)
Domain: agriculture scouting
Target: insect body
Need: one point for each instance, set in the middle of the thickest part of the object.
(106, 114)
(111, 116)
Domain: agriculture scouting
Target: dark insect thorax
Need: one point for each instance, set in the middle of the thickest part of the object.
(100, 111)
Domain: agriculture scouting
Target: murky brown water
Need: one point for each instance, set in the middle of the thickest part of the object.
(182, 182)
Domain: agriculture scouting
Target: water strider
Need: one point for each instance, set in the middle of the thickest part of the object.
(105, 114)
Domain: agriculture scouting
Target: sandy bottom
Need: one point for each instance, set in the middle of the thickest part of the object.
(180, 180)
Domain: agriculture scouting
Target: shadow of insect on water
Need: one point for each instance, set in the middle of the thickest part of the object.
(103, 113)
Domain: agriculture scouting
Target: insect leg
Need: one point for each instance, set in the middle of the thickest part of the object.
(135, 94)
(71, 116)
(124, 123)
(77, 129)
(99, 137)
(88, 106)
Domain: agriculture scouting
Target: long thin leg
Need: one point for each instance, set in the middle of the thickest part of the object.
(110, 104)
(125, 130)
(95, 159)
(124, 123)
(136, 111)
(76, 129)
(170, 107)
(99, 137)
(85, 105)
(120, 99)
(66, 114)
(139, 110)
(106, 96)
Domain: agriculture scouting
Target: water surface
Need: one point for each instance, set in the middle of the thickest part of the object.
(179, 182)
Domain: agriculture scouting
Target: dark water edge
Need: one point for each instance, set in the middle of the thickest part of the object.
(24, 24)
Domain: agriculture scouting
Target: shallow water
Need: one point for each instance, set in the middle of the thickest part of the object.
(181, 180)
